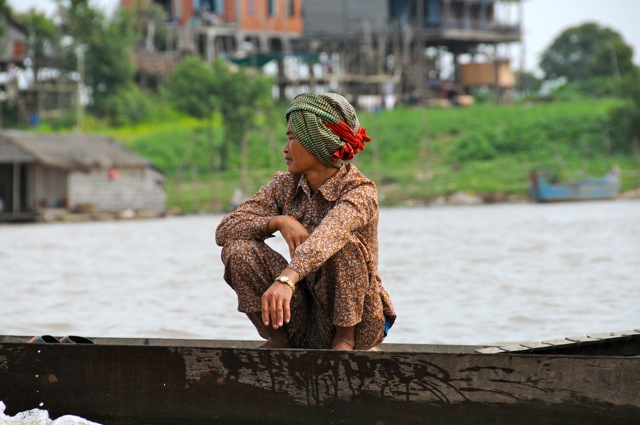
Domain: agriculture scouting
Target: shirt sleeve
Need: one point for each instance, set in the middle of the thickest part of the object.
(249, 221)
(354, 210)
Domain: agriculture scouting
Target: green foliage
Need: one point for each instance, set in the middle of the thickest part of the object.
(128, 106)
(475, 146)
(240, 97)
(586, 51)
(4, 8)
(527, 83)
(150, 26)
(106, 47)
(243, 93)
(109, 67)
(190, 88)
(537, 133)
(613, 58)
(625, 118)
(67, 121)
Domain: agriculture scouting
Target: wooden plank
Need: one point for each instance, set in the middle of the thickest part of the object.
(514, 348)
(583, 339)
(560, 342)
(490, 350)
(186, 383)
(536, 345)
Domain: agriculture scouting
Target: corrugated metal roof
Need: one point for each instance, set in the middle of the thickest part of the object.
(70, 150)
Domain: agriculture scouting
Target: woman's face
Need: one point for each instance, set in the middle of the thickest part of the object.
(298, 159)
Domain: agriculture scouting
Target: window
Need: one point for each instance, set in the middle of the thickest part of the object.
(291, 9)
(252, 7)
(272, 7)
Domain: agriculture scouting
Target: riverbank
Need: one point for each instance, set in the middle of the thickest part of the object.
(458, 199)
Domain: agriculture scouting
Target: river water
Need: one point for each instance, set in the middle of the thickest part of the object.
(457, 275)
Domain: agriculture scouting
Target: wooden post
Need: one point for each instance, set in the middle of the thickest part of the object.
(16, 188)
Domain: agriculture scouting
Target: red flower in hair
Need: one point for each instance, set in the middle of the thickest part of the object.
(354, 140)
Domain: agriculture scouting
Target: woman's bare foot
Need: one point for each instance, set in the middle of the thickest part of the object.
(278, 338)
(274, 343)
(342, 344)
(344, 338)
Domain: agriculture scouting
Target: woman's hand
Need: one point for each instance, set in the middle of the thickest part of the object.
(291, 230)
(276, 305)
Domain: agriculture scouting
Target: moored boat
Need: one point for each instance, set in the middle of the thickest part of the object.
(586, 380)
(605, 187)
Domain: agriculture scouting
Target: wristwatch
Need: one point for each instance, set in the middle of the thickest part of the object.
(287, 280)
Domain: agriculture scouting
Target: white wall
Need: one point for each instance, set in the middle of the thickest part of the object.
(135, 189)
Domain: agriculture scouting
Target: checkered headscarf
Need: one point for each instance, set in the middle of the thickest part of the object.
(327, 126)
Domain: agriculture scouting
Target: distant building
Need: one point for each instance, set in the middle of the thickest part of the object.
(76, 172)
(13, 43)
(408, 43)
(412, 50)
(212, 28)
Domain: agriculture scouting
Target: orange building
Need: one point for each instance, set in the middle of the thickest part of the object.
(225, 25)
(271, 15)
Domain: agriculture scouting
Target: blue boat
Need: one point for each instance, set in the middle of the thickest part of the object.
(605, 187)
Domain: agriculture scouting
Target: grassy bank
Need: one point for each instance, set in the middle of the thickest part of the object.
(416, 156)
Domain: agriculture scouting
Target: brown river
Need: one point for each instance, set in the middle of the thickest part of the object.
(457, 275)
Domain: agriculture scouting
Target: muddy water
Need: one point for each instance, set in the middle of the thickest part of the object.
(457, 275)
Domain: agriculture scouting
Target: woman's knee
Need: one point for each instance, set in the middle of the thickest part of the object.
(237, 250)
(250, 252)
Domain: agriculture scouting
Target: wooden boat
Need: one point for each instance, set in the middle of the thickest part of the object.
(586, 380)
(604, 187)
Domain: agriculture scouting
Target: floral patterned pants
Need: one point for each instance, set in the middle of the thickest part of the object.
(340, 293)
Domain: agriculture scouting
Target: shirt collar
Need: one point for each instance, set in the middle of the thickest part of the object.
(330, 190)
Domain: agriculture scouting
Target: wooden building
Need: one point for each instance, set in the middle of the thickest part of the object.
(13, 42)
(403, 42)
(74, 172)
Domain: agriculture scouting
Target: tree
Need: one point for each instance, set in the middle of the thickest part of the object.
(613, 58)
(586, 51)
(200, 90)
(106, 44)
(190, 88)
(152, 29)
(242, 95)
(625, 118)
(527, 83)
(4, 9)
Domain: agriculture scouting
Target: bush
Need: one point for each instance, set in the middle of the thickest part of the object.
(574, 129)
(129, 106)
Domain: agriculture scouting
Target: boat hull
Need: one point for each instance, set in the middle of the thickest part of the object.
(207, 382)
(606, 187)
